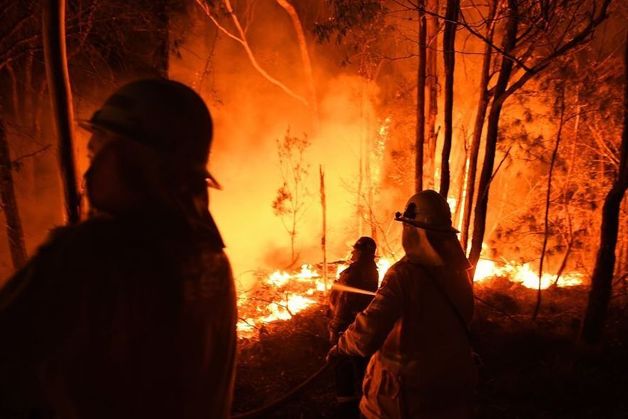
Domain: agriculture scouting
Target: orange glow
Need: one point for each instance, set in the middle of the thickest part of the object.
(290, 293)
(523, 274)
(382, 266)
(255, 312)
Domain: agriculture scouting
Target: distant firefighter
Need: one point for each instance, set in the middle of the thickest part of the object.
(344, 306)
(416, 327)
(130, 314)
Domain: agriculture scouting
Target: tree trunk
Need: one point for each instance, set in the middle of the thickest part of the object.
(431, 81)
(449, 55)
(602, 279)
(305, 57)
(548, 195)
(324, 231)
(474, 150)
(420, 100)
(53, 27)
(479, 221)
(8, 202)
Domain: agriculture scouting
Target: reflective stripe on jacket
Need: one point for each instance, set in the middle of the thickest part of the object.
(422, 367)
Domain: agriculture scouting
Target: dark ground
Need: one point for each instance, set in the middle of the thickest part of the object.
(531, 369)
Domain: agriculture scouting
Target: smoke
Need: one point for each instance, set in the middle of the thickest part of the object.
(251, 114)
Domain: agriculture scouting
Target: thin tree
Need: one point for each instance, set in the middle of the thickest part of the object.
(552, 19)
(8, 204)
(431, 81)
(420, 99)
(449, 60)
(321, 175)
(480, 117)
(509, 41)
(53, 28)
(548, 195)
(289, 203)
(602, 278)
(297, 25)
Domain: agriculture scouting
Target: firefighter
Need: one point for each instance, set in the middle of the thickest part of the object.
(344, 306)
(416, 327)
(131, 313)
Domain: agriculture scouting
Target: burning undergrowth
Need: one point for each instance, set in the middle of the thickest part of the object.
(527, 364)
(278, 296)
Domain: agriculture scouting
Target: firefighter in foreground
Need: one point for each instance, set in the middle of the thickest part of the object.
(416, 327)
(344, 306)
(130, 314)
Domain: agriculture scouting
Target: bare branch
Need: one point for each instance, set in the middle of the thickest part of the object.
(579, 38)
(241, 39)
(23, 157)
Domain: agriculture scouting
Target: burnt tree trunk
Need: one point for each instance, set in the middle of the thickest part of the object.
(474, 149)
(53, 28)
(602, 278)
(479, 220)
(449, 55)
(420, 100)
(431, 82)
(8, 204)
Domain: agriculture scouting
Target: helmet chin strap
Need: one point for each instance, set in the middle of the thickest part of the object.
(418, 249)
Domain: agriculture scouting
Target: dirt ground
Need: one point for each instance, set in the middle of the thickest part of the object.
(531, 369)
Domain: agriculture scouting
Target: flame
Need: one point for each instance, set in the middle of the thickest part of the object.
(339, 268)
(452, 204)
(256, 314)
(383, 264)
(287, 294)
(523, 274)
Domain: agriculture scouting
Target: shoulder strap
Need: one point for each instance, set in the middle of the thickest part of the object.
(453, 307)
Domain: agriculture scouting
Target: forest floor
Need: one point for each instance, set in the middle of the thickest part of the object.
(532, 369)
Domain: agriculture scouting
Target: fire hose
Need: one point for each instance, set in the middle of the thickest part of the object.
(277, 402)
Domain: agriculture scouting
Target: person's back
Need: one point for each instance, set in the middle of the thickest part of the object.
(427, 345)
(362, 273)
(124, 319)
(416, 327)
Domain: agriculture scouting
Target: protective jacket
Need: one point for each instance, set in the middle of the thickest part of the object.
(125, 317)
(422, 365)
(344, 306)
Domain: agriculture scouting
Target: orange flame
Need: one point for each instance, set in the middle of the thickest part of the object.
(306, 288)
(523, 274)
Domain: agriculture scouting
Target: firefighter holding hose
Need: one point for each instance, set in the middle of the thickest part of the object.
(130, 314)
(416, 327)
(344, 306)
